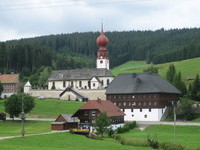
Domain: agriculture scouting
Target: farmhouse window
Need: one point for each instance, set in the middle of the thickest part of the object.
(145, 116)
(93, 113)
(149, 109)
(64, 84)
(80, 84)
(86, 113)
(140, 110)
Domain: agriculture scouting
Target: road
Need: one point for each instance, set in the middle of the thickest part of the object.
(144, 124)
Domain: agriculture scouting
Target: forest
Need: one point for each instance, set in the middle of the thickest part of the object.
(78, 50)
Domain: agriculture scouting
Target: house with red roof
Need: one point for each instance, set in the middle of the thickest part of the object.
(10, 84)
(88, 112)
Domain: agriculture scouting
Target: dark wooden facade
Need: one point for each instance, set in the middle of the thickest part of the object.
(87, 117)
(137, 101)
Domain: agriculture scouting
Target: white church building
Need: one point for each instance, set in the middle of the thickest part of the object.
(80, 84)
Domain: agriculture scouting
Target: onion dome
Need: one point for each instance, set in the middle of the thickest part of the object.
(102, 40)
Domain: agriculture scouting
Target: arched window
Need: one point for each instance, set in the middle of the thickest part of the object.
(89, 84)
(108, 81)
(80, 84)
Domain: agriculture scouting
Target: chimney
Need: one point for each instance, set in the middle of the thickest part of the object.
(98, 99)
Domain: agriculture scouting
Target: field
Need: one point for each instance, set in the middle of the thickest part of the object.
(189, 68)
(12, 128)
(50, 108)
(63, 141)
(185, 135)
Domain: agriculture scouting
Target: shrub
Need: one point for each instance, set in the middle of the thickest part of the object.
(171, 146)
(133, 142)
(110, 132)
(131, 125)
(123, 129)
(126, 127)
(152, 142)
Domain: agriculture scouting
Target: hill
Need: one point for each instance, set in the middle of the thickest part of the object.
(78, 50)
(189, 68)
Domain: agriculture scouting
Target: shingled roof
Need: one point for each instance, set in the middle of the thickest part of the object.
(79, 74)
(102, 105)
(133, 83)
(9, 78)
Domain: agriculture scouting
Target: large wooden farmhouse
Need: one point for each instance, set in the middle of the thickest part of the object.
(142, 96)
(88, 112)
(10, 84)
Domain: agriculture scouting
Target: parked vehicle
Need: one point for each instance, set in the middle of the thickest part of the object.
(2, 116)
(42, 98)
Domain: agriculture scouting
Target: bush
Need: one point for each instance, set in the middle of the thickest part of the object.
(131, 125)
(152, 142)
(110, 132)
(123, 129)
(171, 146)
(126, 127)
(130, 141)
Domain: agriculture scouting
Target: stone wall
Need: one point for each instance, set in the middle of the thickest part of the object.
(45, 93)
(90, 94)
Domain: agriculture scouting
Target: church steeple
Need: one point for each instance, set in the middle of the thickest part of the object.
(102, 53)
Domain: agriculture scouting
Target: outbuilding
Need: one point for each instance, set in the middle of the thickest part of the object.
(64, 122)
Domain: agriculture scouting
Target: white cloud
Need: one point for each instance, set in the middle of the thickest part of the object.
(78, 16)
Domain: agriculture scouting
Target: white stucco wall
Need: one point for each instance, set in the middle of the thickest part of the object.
(136, 115)
(84, 83)
(105, 63)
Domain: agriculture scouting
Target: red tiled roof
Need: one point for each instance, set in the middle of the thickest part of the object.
(9, 78)
(103, 105)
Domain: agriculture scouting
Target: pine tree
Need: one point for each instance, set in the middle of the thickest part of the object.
(179, 84)
(196, 88)
(171, 73)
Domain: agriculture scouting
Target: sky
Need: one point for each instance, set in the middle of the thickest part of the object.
(31, 18)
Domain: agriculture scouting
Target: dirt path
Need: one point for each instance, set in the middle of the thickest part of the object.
(19, 136)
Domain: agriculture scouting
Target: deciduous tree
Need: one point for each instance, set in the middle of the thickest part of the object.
(13, 105)
(102, 122)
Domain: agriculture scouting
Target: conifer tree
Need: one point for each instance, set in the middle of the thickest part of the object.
(171, 73)
(195, 92)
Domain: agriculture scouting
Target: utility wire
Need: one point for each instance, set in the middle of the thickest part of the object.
(69, 5)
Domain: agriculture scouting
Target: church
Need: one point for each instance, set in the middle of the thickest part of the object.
(95, 78)
(79, 84)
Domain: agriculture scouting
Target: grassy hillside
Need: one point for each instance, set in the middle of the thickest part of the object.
(189, 68)
(50, 108)
(185, 135)
(12, 128)
(63, 141)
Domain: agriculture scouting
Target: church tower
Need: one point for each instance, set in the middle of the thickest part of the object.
(102, 53)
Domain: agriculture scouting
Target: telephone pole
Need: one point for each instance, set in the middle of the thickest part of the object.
(23, 118)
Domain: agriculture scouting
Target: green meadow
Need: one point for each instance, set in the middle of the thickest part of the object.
(187, 136)
(63, 141)
(50, 108)
(13, 128)
(189, 68)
